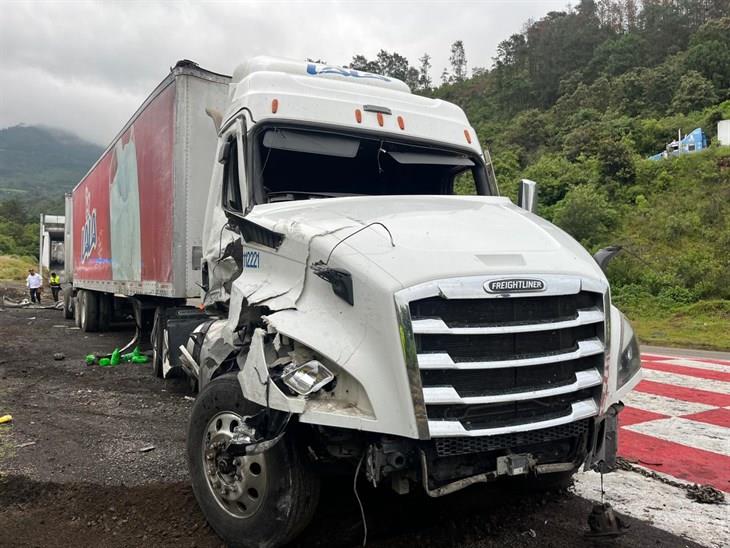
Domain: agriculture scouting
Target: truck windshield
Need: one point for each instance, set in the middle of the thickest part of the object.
(295, 164)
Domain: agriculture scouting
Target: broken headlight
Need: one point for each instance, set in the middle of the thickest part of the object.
(307, 377)
(630, 360)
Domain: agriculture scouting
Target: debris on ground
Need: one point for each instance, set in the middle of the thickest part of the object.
(705, 494)
(116, 357)
(58, 356)
(26, 444)
(6, 418)
(604, 522)
(25, 303)
(147, 449)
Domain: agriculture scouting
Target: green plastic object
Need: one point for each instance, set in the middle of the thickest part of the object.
(115, 357)
(105, 362)
(90, 359)
(135, 356)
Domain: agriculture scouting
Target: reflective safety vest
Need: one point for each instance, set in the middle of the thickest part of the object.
(55, 280)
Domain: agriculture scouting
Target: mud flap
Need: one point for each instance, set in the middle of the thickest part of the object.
(604, 442)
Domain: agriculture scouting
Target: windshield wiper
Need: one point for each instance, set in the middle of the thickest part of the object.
(285, 195)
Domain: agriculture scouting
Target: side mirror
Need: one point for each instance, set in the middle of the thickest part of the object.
(527, 197)
(603, 256)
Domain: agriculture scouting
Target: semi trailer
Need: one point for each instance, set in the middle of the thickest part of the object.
(356, 315)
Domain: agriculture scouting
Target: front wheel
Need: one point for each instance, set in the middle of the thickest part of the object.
(258, 500)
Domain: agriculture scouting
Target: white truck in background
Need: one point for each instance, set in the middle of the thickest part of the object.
(51, 252)
(358, 314)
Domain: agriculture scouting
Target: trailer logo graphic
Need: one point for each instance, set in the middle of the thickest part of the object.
(514, 285)
(315, 70)
(88, 231)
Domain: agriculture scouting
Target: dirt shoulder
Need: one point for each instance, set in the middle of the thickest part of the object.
(83, 481)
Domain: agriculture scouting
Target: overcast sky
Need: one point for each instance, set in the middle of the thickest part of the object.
(86, 66)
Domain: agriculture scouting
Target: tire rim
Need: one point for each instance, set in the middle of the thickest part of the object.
(237, 484)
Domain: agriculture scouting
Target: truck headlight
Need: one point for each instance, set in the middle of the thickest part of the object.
(630, 360)
(307, 377)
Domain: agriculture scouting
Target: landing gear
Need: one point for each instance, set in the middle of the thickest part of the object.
(256, 500)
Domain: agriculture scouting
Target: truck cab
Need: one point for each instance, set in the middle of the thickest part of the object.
(375, 308)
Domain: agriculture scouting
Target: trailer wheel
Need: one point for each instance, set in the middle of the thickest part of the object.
(77, 309)
(258, 500)
(158, 330)
(88, 302)
(68, 304)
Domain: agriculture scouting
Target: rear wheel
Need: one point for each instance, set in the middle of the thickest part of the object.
(158, 346)
(68, 300)
(257, 500)
(88, 302)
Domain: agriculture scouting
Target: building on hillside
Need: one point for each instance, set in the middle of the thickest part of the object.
(692, 142)
(723, 132)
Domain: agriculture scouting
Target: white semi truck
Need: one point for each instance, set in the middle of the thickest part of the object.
(356, 313)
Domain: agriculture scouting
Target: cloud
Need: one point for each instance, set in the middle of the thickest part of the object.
(86, 66)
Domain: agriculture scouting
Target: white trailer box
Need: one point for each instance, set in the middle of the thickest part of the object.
(136, 217)
(723, 132)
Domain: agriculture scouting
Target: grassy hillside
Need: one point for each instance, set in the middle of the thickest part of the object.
(15, 268)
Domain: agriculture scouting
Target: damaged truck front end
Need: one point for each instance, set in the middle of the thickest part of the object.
(363, 319)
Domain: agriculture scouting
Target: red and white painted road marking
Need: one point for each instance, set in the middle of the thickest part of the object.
(677, 420)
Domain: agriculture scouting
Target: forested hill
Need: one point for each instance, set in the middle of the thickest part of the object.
(578, 101)
(39, 162)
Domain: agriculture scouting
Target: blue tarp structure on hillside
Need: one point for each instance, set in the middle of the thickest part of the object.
(692, 142)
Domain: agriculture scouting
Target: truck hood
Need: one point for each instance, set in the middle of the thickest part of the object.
(412, 239)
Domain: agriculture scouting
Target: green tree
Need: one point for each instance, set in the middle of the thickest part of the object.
(694, 92)
(586, 214)
(458, 62)
(424, 73)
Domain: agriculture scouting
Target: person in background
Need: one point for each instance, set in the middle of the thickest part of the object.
(34, 282)
(55, 282)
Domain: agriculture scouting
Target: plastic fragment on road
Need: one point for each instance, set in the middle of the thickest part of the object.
(115, 358)
(58, 356)
(90, 359)
(5, 419)
(135, 356)
(105, 362)
(147, 449)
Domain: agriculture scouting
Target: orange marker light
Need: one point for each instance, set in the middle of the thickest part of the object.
(358, 115)
(274, 105)
(468, 137)
(401, 122)
(380, 119)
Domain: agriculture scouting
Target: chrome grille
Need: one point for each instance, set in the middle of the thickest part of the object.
(496, 364)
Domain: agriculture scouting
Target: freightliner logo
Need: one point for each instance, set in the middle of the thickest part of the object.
(514, 285)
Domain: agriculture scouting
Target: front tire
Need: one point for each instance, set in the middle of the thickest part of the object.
(258, 500)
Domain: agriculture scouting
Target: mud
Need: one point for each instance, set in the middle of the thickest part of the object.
(83, 481)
